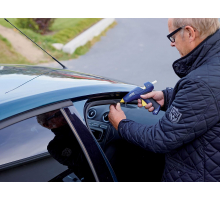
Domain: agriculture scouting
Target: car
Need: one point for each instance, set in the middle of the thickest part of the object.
(54, 127)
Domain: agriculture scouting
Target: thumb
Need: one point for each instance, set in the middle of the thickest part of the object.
(148, 95)
(112, 107)
(118, 106)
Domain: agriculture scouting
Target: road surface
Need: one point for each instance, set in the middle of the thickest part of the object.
(135, 51)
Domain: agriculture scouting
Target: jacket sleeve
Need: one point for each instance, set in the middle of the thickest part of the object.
(192, 113)
(168, 92)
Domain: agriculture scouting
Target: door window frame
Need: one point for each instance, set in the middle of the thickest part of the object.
(101, 173)
(32, 113)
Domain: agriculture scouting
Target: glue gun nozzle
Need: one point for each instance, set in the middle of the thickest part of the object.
(122, 101)
(154, 82)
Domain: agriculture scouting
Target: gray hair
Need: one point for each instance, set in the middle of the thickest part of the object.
(205, 26)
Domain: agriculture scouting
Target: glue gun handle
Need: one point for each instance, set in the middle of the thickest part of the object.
(155, 105)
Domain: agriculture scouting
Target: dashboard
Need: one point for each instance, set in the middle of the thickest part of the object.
(97, 119)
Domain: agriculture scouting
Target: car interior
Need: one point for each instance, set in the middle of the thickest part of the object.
(129, 162)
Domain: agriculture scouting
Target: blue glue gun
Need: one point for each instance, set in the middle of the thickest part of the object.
(135, 94)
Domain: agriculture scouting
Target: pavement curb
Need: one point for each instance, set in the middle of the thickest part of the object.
(87, 35)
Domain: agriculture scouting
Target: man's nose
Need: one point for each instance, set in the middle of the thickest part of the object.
(172, 44)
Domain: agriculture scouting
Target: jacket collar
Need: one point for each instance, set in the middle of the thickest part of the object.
(206, 49)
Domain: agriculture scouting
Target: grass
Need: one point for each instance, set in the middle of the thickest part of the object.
(6, 24)
(66, 34)
(58, 25)
(63, 23)
(64, 30)
(83, 49)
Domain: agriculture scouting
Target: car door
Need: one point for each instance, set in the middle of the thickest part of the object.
(51, 143)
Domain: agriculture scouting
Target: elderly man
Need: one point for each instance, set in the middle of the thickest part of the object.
(189, 131)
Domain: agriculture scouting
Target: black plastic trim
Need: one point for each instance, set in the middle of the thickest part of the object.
(24, 161)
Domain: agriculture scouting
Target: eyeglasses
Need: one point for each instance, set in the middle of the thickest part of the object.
(57, 114)
(170, 36)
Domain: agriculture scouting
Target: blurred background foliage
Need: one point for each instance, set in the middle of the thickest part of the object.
(38, 25)
(60, 30)
(46, 31)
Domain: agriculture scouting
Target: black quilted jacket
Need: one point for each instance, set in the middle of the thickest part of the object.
(189, 132)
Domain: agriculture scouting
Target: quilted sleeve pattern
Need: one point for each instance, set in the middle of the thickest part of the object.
(168, 92)
(190, 115)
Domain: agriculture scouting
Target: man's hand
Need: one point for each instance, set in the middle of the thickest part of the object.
(156, 95)
(115, 115)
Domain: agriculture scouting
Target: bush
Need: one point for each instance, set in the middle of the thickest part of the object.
(38, 25)
(27, 23)
(44, 24)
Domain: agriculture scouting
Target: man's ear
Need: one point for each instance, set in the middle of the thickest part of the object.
(191, 35)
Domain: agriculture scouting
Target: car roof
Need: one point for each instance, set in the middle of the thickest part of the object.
(28, 87)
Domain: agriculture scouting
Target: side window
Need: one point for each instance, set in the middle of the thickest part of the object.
(22, 140)
(42, 148)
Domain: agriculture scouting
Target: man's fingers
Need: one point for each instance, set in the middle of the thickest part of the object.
(139, 103)
(148, 105)
(151, 109)
(148, 95)
(118, 106)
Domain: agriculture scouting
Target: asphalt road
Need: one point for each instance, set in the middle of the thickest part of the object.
(135, 51)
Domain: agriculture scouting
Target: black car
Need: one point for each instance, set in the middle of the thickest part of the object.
(54, 127)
